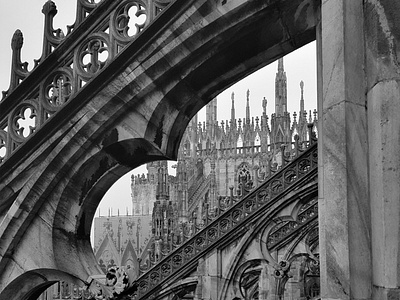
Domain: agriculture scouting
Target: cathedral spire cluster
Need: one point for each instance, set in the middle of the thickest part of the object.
(209, 155)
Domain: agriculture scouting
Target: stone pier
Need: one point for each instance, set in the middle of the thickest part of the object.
(359, 186)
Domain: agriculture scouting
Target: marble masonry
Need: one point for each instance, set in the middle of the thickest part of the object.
(98, 100)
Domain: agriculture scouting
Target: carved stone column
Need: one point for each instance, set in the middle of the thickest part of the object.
(344, 212)
(359, 101)
(209, 277)
(267, 286)
(264, 284)
(382, 40)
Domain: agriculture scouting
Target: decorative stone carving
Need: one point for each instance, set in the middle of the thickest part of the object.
(129, 20)
(93, 55)
(23, 121)
(58, 88)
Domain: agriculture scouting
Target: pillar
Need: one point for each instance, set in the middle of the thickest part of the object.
(264, 283)
(209, 276)
(382, 35)
(267, 284)
(344, 208)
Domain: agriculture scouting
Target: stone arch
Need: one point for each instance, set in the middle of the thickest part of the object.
(31, 284)
(146, 107)
(292, 255)
(73, 217)
(244, 172)
(232, 52)
(264, 224)
(255, 267)
(183, 290)
(239, 141)
(129, 257)
(292, 217)
(297, 245)
(179, 290)
(63, 225)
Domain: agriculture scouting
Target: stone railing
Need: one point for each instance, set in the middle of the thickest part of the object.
(68, 62)
(231, 219)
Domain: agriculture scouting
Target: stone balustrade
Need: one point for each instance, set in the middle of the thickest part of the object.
(101, 31)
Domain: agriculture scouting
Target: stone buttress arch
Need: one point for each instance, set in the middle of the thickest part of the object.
(129, 114)
(67, 243)
(31, 284)
(232, 272)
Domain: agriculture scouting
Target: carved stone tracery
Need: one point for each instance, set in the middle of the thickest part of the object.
(58, 89)
(130, 19)
(78, 65)
(233, 217)
(23, 122)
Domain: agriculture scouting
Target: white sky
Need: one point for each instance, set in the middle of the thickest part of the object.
(26, 15)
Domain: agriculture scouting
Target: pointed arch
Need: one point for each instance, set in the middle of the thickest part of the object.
(108, 253)
(129, 257)
(239, 141)
(244, 172)
(257, 140)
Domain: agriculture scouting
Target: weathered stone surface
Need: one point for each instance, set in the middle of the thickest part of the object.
(132, 112)
(384, 109)
(343, 173)
(382, 56)
(137, 108)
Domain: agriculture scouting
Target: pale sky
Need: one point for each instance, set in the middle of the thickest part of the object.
(26, 15)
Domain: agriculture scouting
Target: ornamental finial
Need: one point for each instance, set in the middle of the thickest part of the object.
(17, 40)
(49, 8)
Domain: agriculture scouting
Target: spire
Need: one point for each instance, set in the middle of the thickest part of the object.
(211, 112)
(302, 97)
(280, 90)
(280, 65)
(214, 111)
(233, 109)
(162, 184)
(248, 108)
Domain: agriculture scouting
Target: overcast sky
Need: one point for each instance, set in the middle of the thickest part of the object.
(26, 15)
